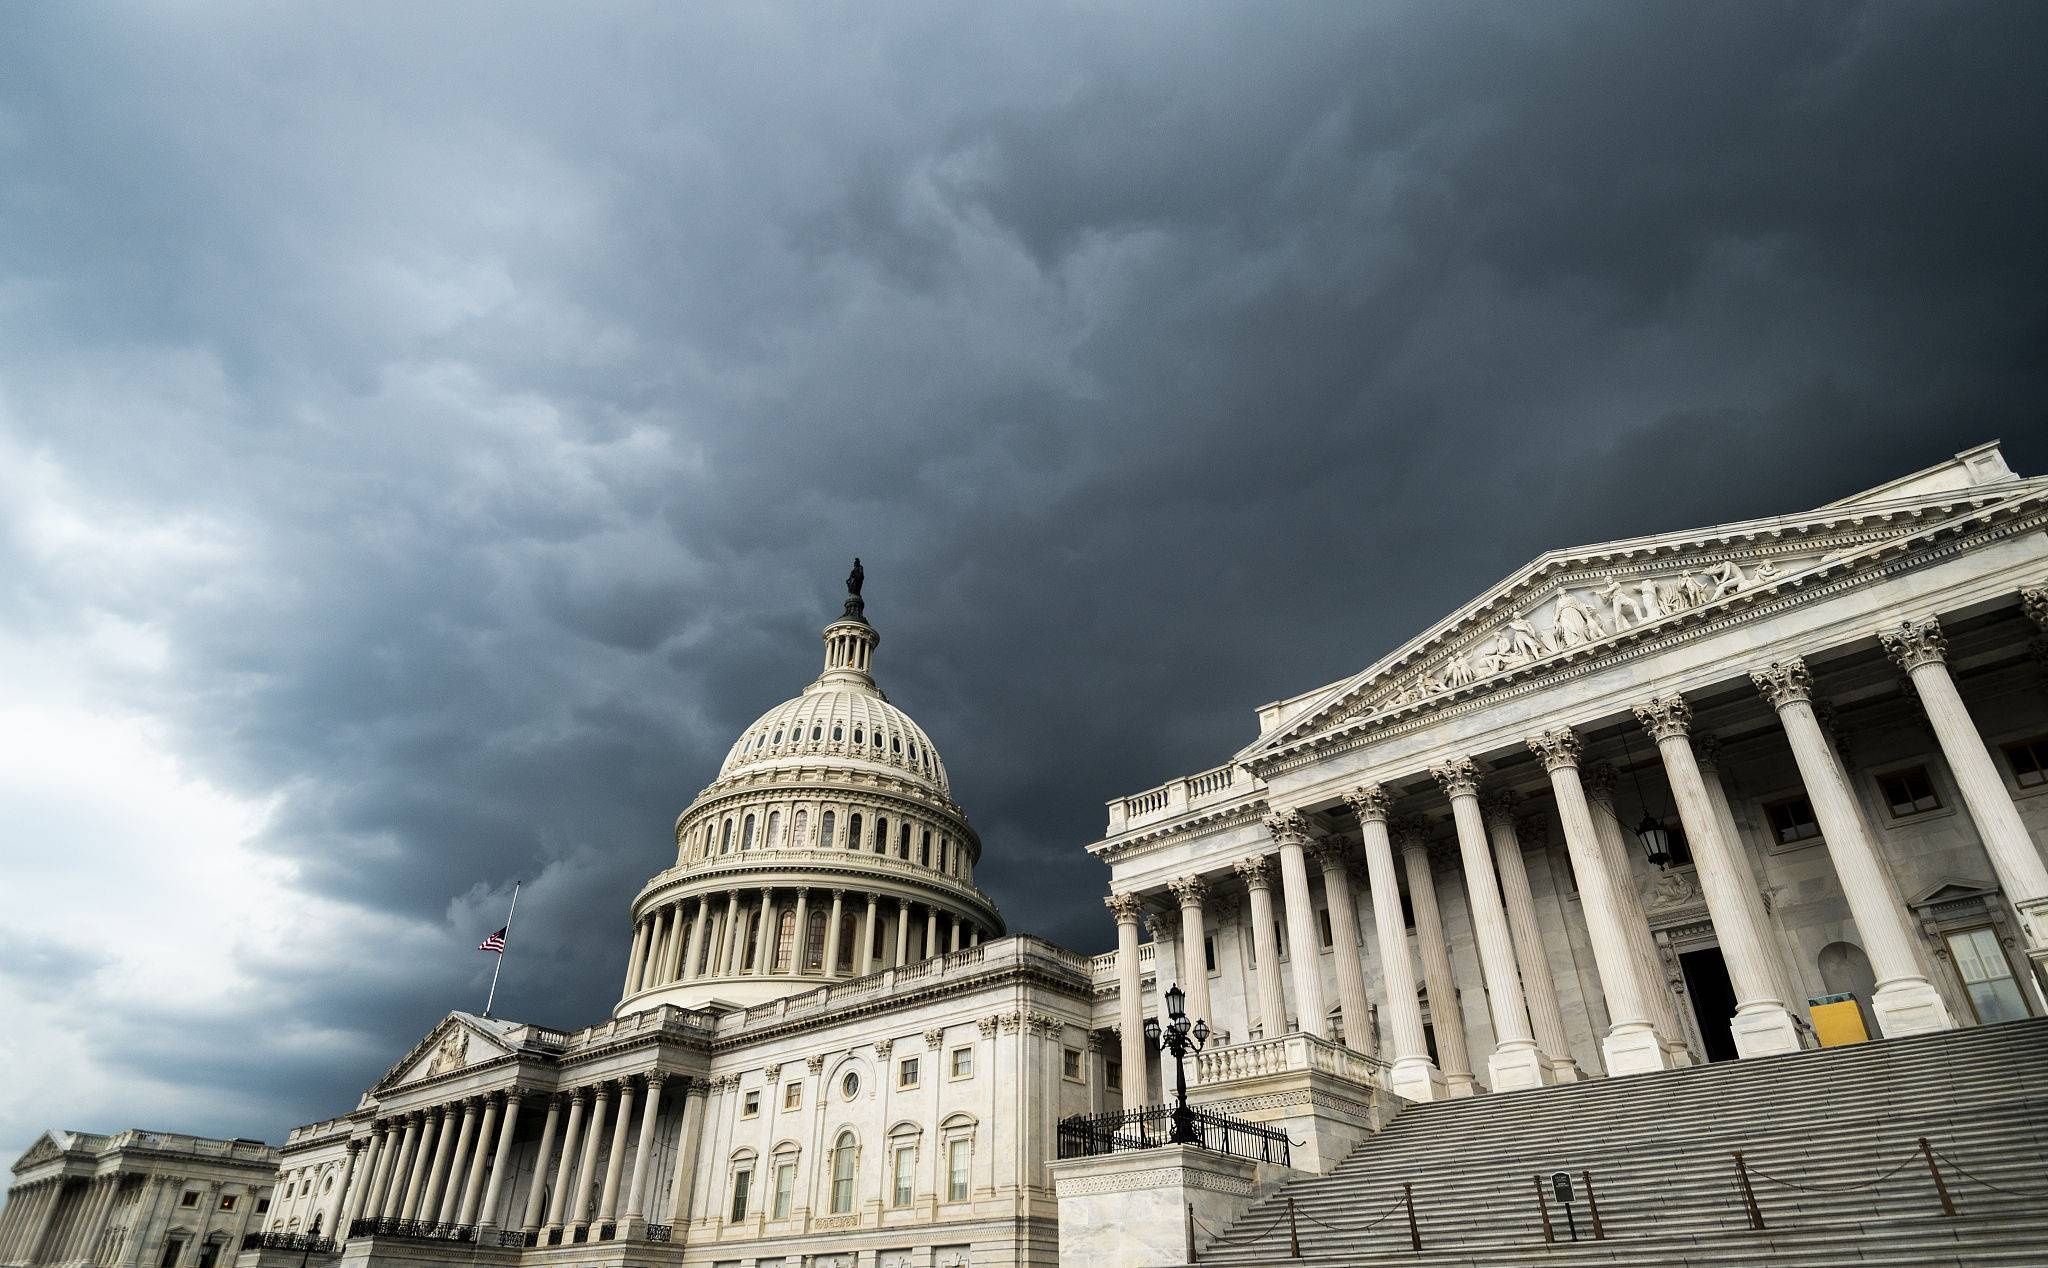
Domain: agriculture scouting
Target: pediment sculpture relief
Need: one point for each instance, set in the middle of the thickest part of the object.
(1579, 618)
(452, 1054)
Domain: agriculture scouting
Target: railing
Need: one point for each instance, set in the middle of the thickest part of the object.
(1151, 1126)
(413, 1230)
(514, 1237)
(659, 1232)
(1286, 1054)
(1175, 796)
(288, 1241)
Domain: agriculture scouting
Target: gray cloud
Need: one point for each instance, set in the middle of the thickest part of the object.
(1160, 361)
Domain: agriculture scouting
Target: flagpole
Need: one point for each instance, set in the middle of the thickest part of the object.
(493, 996)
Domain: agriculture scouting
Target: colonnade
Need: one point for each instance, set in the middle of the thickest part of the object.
(1643, 1029)
(788, 931)
(428, 1167)
(44, 1224)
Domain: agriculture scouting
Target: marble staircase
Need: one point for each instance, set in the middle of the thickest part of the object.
(1660, 1151)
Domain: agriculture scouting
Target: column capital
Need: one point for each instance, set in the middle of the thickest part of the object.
(815, 1063)
(579, 1096)
(1784, 682)
(1665, 717)
(1163, 923)
(1329, 854)
(1912, 644)
(1411, 832)
(903, 904)
(1707, 750)
(1457, 776)
(1289, 827)
(1190, 890)
(883, 1047)
(1370, 803)
(2034, 602)
(1599, 780)
(1559, 747)
(838, 895)
(1256, 872)
(1125, 907)
(1498, 808)
(654, 1079)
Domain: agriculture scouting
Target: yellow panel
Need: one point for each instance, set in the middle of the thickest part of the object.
(1838, 1024)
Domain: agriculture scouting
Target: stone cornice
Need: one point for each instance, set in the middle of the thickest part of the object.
(1987, 519)
(1139, 844)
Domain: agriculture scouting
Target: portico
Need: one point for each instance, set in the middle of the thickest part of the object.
(1647, 799)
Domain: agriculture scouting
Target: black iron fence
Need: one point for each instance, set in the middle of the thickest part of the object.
(288, 1241)
(1151, 1126)
(413, 1230)
(659, 1232)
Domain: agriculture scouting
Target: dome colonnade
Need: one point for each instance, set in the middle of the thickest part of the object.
(828, 847)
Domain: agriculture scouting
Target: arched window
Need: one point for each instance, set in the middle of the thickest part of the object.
(814, 942)
(747, 834)
(913, 750)
(838, 733)
(775, 829)
(924, 850)
(778, 736)
(797, 829)
(856, 735)
(844, 1155)
(725, 844)
(785, 941)
(816, 733)
(853, 833)
(825, 831)
(710, 838)
(903, 843)
(896, 745)
(881, 836)
(849, 925)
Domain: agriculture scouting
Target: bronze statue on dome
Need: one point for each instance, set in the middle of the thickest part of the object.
(854, 578)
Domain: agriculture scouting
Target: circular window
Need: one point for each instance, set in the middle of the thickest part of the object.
(849, 1087)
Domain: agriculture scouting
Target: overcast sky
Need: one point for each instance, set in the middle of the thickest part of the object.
(429, 434)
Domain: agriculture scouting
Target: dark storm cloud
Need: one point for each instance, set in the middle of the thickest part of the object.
(1158, 361)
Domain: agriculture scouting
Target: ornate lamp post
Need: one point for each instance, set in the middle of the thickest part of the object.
(1179, 1037)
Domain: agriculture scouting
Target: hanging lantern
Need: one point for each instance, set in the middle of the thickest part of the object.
(1655, 839)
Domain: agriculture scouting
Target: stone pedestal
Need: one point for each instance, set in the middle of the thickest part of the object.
(1326, 1097)
(1417, 1079)
(1909, 1007)
(1637, 1050)
(1514, 1067)
(1765, 1031)
(1132, 1210)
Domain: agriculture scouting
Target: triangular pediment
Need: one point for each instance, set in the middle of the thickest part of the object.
(1569, 606)
(460, 1041)
(1951, 889)
(46, 1148)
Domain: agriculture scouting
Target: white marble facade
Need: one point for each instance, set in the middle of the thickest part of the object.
(135, 1199)
(1421, 881)
(1840, 713)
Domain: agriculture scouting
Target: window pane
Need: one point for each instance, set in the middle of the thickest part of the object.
(956, 1171)
(785, 1189)
(1998, 1000)
(1970, 954)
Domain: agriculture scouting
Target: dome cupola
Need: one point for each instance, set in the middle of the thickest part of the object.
(829, 846)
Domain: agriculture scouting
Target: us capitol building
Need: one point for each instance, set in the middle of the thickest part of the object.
(1629, 810)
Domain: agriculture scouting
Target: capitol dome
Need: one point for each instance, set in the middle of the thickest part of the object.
(828, 847)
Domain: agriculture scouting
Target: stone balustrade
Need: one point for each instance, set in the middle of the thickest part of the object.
(1190, 792)
(1294, 1053)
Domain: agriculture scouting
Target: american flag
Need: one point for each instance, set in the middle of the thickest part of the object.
(496, 942)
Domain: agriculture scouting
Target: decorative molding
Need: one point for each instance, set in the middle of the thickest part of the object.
(1371, 803)
(1558, 747)
(1784, 682)
(1256, 872)
(1498, 808)
(1600, 780)
(1190, 890)
(1127, 908)
(1289, 827)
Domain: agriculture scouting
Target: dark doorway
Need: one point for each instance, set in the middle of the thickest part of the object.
(1713, 999)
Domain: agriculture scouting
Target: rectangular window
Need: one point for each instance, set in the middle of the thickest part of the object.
(1070, 1064)
(1987, 976)
(907, 1072)
(190, 1199)
(963, 1063)
(740, 1184)
(785, 1188)
(750, 1105)
(2029, 762)
(1280, 936)
(904, 1170)
(262, 1206)
(1792, 820)
(793, 1096)
(1113, 1075)
(1323, 923)
(1908, 792)
(956, 1170)
(227, 1202)
(1208, 953)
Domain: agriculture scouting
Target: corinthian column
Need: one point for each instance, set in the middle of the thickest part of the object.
(537, 1189)
(472, 1182)
(1257, 874)
(1412, 1075)
(832, 933)
(445, 1191)
(643, 1155)
(483, 1213)
(1352, 1003)
(1905, 1002)
(1920, 649)
(416, 1180)
(1438, 983)
(1290, 833)
(1599, 781)
(1539, 988)
(1130, 1009)
(1762, 1027)
(586, 1170)
(608, 1201)
(1632, 1045)
(693, 957)
(572, 1136)
(638, 957)
(1516, 1061)
(1190, 891)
